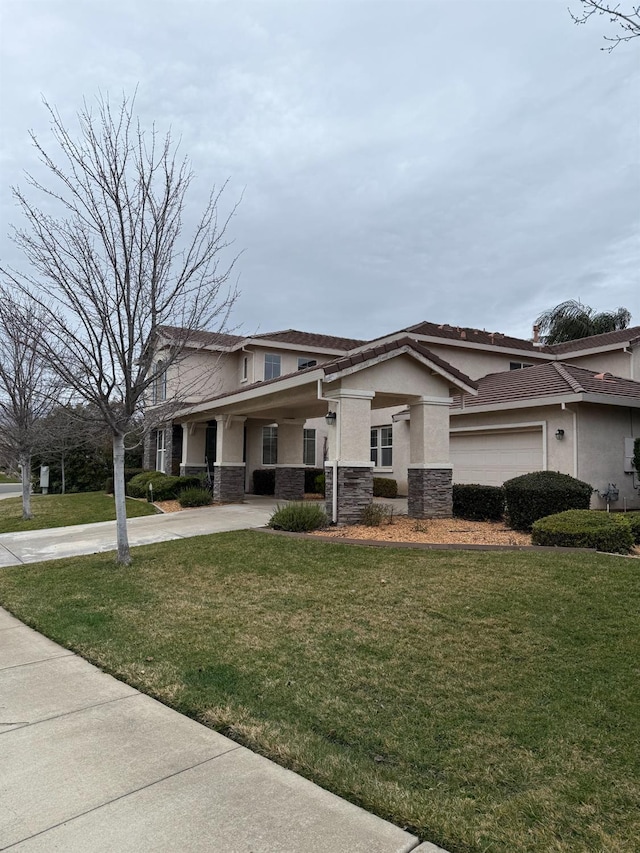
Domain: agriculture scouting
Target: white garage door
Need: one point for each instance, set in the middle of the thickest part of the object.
(492, 457)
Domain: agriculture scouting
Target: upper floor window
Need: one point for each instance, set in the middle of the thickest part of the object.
(382, 446)
(159, 385)
(518, 365)
(245, 368)
(272, 366)
(306, 362)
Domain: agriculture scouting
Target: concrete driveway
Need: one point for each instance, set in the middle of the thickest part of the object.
(35, 546)
(10, 490)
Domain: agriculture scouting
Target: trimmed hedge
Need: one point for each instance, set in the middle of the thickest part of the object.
(264, 481)
(478, 503)
(385, 487)
(533, 496)
(311, 480)
(299, 517)
(165, 486)
(584, 528)
(138, 486)
(634, 523)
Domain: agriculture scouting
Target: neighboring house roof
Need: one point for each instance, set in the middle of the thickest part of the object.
(555, 379)
(474, 336)
(309, 339)
(607, 339)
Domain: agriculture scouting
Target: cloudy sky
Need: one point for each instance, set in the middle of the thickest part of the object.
(470, 162)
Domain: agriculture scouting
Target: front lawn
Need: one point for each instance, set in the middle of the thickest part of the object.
(5, 479)
(63, 510)
(486, 701)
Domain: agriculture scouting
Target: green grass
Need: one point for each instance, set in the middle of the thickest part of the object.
(486, 701)
(63, 510)
(5, 479)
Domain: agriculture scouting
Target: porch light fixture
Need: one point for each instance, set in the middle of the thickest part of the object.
(559, 434)
(330, 418)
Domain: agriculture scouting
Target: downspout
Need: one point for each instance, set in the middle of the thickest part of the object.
(334, 464)
(574, 417)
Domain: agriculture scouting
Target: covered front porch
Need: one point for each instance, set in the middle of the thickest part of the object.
(222, 434)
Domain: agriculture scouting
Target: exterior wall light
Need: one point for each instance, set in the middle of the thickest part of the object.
(330, 418)
(559, 434)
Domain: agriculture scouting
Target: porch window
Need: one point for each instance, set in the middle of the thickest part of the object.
(269, 445)
(161, 449)
(382, 446)
(309, 447)
(272, 366)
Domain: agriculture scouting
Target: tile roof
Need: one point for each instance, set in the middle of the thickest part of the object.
(309, 339)
(201, 337)
(553, 379)
(474, 336)
(606, 339)
(347, 361)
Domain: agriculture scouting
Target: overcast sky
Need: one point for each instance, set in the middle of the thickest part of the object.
(470, 163)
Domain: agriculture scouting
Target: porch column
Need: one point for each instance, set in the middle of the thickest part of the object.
(229, 469)
(193, 448)
(348, 471)
(430, 471)
(290, 468)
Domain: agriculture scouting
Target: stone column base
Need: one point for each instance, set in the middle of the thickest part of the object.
(289, 483)
(355, 492)
(430, 493)
(228, 483)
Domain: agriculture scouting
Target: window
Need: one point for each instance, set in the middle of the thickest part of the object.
(518, 365)
(309, 447)
(161, 449)
(271, 366)
(269, 445)
(382, 446)
(245, 368)
(306, 362)
(159, 385)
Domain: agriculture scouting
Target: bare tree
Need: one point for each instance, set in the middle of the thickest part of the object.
(26, 388)
(628, 20)
(116, 264)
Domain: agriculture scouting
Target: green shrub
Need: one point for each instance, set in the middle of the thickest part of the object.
(310, 480)
(138, 486)
(584, 528)
(165, 487)
(129, 474)
(385, 487)
(264, 481)
(374, 514)
(194, 496)
(634, 523)
(478, 503)
(299, 517)
(320, 484)
(533, 496)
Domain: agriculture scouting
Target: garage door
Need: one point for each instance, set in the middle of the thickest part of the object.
(492, 457)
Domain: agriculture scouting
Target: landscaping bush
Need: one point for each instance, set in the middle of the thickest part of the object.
(320, 486)
(634, 523)
(311, 479)
(374, 514)
(584, 528)
(385, 487)
(264, 481)
(129, 474)
(299, 517)
(165, 487)
(478, 503)
(195, 496)
(533, 496)
(138, 486)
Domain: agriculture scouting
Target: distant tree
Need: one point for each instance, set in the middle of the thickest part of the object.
(572, 320)
(116, 265)
(26, 385)
(628, 20)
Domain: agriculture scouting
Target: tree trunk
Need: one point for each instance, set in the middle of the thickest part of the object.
(124, 555)
(62, 472)
(25, 464)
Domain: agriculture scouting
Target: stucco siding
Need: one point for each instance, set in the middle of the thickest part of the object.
(616, 362)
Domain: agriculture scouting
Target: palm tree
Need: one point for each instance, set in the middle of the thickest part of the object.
(572, 320)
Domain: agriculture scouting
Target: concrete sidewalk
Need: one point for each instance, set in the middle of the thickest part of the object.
(89, 763)
(35, 546)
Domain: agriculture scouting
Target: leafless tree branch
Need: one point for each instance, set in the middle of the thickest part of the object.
(628, 21)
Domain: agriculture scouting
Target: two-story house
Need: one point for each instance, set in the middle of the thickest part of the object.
(427, 405)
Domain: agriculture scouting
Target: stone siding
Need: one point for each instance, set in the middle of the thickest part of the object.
(430, 493)
(355, 492)
(228, 483)
(289, 484)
